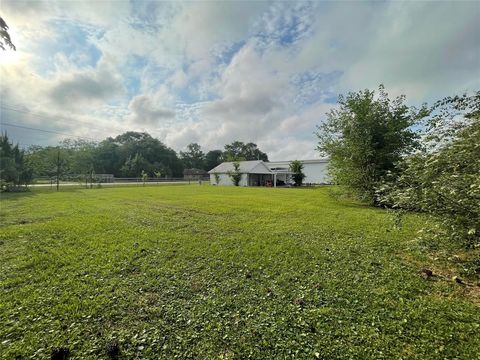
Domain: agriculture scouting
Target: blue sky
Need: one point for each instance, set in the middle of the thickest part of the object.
(214, 72)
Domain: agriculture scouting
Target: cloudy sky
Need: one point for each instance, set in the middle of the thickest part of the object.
(214, 72)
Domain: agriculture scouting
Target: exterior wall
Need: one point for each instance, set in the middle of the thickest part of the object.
(225, 180)
(315, 171)
(244, 180)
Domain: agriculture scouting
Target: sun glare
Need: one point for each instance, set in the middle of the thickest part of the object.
(9, 56)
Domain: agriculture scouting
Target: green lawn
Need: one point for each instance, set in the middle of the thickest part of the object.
(216, 272)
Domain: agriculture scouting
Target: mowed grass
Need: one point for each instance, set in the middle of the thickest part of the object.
(210, 272)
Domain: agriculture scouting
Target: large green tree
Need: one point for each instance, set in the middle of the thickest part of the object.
(213, 158)
(238, 150)
(126, 146)
(81, 156)
(194, 157)
(50, 161)
(366, 136)
(108, 157)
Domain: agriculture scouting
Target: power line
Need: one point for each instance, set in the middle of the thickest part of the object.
(42, 117)
(47, 131)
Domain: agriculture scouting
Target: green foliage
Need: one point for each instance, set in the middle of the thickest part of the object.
(151, 152)
(296, 167)
(217, 178)
(239, 151)
(14, 171)
(79, 155)
(213, 159)
(444, 179)
(193, 158)
(50, 160)
(365, 137)
(134, 166)
(144, 177)
(5, 39)
(196, 272)
(235, 175)
(126, 155)
(130, 153)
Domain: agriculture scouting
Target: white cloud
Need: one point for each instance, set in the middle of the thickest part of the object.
(214, 72)
(146, 110)
(80, 88)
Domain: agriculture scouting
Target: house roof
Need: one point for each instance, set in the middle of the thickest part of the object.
(287, 162)
(246, 167)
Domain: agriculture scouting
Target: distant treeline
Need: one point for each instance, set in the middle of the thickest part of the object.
(127, 155)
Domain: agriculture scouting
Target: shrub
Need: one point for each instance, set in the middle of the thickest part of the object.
(444, 178)
(235, 175)
(217, 178)
(296, 167)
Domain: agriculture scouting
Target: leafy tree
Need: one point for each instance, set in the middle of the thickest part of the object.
(296, 167)
(81, 157)
(36, 157)
(13, 169)
(109, 160)
(238, 151)
(48, 160)
(5, 39)
(234, 151)
(365, 137)
(213, 158)
(235, 175)
(193, 158)
(443, 178)
(252, 152)
(153, 151)
(134, 166)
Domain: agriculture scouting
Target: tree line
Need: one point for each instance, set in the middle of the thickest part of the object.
(132, 154)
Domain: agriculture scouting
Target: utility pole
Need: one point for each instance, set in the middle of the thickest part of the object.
(58, 168)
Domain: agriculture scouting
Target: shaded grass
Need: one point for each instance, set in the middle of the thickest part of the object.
(215, 272)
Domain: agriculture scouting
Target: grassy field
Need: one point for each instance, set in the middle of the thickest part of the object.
(221, 273)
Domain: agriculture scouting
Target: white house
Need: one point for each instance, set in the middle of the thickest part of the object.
(260, 173)
(254, 173)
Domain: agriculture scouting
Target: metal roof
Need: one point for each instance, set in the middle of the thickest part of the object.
(271, 164)
(246, 167)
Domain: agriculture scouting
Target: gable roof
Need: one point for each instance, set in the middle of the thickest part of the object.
(246, 167)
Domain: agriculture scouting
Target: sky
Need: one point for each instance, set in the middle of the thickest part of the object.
(214, 72)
